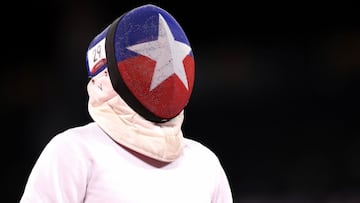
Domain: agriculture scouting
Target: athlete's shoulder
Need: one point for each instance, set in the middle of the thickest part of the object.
(88, 128)
(189, 142)
(198, 148)
(83, 133)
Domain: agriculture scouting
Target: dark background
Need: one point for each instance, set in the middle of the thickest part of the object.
(275, 96)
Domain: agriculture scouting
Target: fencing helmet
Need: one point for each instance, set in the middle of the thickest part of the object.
(149, 60)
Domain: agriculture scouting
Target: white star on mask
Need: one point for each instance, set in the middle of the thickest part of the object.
(168, 54)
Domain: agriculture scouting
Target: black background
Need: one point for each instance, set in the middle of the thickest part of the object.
(275, 96)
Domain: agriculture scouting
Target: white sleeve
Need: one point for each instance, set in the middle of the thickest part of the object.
(223, 193)
(59, 174)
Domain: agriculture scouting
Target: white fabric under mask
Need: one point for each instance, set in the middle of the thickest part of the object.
(160, 141)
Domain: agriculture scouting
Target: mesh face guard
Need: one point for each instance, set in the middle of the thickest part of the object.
(150, 62)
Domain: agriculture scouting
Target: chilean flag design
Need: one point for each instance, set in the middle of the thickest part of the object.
(155, 60)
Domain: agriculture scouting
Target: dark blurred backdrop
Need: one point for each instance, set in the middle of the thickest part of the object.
(275, 96)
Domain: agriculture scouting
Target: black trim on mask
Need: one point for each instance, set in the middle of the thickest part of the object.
(117, 81)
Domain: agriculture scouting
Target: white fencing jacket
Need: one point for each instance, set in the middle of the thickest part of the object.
(85, 165)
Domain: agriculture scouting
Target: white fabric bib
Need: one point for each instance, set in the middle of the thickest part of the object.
(160, 141)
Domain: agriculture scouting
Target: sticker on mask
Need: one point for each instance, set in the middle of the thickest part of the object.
(96, 58)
